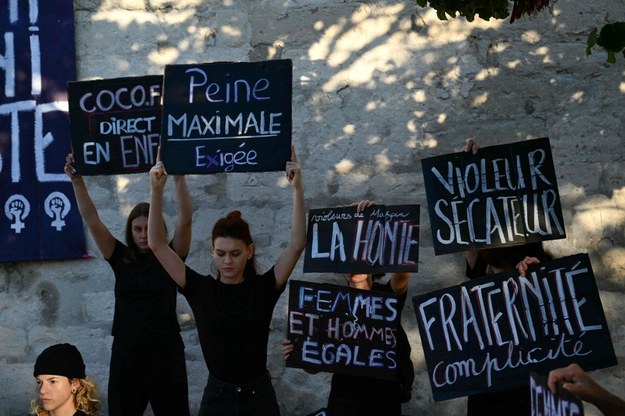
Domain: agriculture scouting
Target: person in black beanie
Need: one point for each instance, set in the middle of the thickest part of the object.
(63, 386)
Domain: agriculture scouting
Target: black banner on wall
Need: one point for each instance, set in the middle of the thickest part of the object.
(380, 239)
(116, 124)
(227, 117)
(488, 333)
(504, 195)
(343, 330)
(544, 402)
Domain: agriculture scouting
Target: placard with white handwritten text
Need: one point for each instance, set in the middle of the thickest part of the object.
(227, 117)
(503, 195)
(116, 124)
(488, 333)
(341, 329)
(383, 238)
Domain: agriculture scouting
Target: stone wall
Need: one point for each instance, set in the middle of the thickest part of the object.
(377, 86)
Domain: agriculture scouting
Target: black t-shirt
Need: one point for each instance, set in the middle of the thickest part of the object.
(368, 395)
(233, 323)
(145, 299)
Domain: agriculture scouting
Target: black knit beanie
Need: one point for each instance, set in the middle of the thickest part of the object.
(60, 360)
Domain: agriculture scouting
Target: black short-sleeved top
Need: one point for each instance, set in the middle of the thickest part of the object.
(145, 299)
(233, 323)
(367, 394)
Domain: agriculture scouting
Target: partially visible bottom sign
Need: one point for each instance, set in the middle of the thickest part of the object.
(544, 402)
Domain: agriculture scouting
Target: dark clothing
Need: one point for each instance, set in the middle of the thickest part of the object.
(80, 413)
(256, 398)
(511, 402)
(147, 358)
(154, 372)
(363, 396)
(366, 396)
(233, 326)
(145, 298)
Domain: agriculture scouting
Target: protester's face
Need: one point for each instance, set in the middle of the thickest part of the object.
(361, 281)
(230, 256)
(55, 393)
(140, 232)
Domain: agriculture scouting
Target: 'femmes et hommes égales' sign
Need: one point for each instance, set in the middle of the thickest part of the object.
(504, 195)
(488, 333)
(341, 329)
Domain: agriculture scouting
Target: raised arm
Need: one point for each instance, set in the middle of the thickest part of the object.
(577, 381)
(288, 258)
(157, 237)
(100, 233)
(399, 282)
(182, 233)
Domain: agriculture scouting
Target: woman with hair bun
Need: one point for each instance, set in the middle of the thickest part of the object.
(64, 388)
(233, 309)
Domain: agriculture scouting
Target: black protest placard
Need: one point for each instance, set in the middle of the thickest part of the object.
(488, 333)
(227, 117)
(339, 329)
(545, 402)
(504, 195)
(383, 238)
(116, 124)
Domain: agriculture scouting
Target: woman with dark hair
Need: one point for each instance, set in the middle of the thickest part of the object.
(233, 309)
(62, 385)
(147, 345)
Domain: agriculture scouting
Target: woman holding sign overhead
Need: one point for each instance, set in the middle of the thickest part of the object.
(488, 262)
(233, 309)
(147, 359)
(352, 395)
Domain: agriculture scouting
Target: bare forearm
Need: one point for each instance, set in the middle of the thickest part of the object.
(86, 207)
(183, 200)
(182, 233)
(610, 405)
(156, 224)
(298, 224)
(399, 282)
(89, 213)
